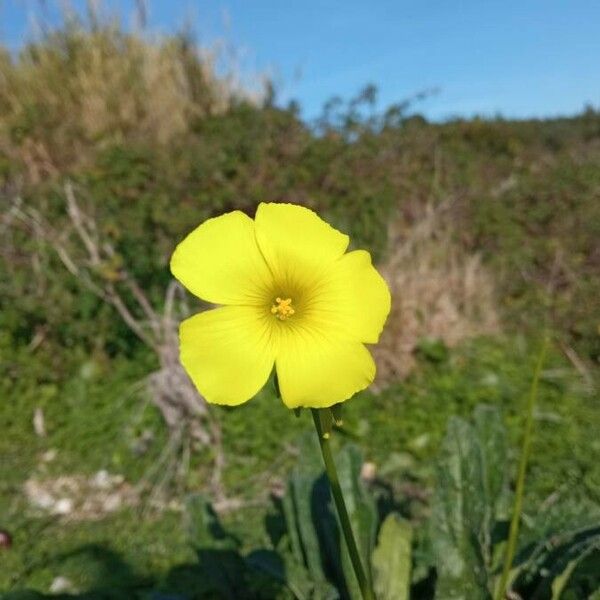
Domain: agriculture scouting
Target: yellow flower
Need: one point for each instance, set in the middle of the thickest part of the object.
(291, 297)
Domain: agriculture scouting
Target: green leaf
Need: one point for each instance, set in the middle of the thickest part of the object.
(310, 529)
(491, 440)
(560, 582)
(204, 527)
(283, 566)
(312, 550)
(392, 559)
(291, 523)
(217, 550)
(302, 489)
(460, 516)
(362, 512)
(555, 559)
(491, 437)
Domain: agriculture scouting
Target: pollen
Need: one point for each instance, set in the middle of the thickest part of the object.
(283, 308)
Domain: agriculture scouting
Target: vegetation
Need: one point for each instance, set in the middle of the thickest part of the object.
(505, 214)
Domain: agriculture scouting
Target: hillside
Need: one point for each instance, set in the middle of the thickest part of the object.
(487, 230)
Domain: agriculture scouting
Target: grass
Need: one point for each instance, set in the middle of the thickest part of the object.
(407, 420)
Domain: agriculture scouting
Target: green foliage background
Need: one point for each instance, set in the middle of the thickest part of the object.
(526, 195)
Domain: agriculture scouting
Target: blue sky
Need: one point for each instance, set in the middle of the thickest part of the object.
(519, 59)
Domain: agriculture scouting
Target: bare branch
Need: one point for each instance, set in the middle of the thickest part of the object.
(10, 215)
(170, 299)
(142, 300)
(85, 256)
(32, 219)
(86, 230)
(115, 299)
(78, 221)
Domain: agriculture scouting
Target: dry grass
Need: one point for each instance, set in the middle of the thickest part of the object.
(437, 290)
(89, 82)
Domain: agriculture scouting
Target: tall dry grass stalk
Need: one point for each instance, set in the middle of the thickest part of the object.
(438, 290)
(90, 82)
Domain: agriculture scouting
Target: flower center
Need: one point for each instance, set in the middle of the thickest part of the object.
(282, 308)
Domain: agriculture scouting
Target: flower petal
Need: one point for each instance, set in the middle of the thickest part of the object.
(316, 370)
(353, 299)
(220, 262)
(294, 238)
(228, 352)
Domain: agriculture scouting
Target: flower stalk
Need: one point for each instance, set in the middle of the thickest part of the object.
(511, 544)
(340, 505)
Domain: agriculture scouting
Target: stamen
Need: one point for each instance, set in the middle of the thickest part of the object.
(282, 308)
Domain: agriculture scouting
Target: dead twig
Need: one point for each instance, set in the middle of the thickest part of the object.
(95, 263)
(577, 362)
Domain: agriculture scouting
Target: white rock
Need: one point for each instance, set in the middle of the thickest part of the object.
(112, 502)
(49, 455)
(38, 496)
(368, 471)
(64, 506)
(39, 423)
(102, 480)
(61, 584)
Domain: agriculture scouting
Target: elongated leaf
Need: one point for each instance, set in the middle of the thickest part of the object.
(217, 550)
(283, 567)
(300, 582)
(205, 528)
(313, 549)
(459, 516)
(392, 559)
(491, 436)
(291, 523)
(311, 544)
(560, 582)
(555, 559)
(309, 501)
(554, 538)
(362, 512)
(491, 440)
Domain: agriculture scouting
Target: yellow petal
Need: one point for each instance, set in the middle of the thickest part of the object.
(353, 299)
(220, 262)
(228, 352)
(296, 242)
(316, 370)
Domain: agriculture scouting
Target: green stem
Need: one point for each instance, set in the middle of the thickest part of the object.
(523, 461)
(340, 505)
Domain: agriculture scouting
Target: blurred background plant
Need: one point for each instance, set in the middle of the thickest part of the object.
(487, 231)
(89, 84)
